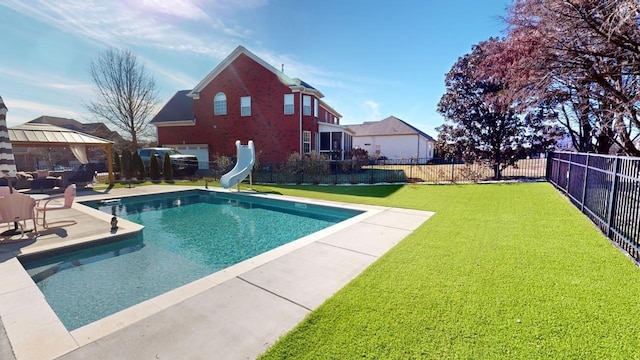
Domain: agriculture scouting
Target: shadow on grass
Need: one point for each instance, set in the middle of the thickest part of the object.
(377, 191)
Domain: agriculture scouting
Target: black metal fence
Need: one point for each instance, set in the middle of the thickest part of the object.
(432, 171)
(606, 189)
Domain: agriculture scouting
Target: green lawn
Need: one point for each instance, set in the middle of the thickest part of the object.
(500, 271)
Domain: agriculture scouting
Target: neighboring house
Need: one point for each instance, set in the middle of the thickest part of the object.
(244, 98)
(393, 139)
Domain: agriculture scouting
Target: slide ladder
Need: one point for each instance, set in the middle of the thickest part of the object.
(242, 169)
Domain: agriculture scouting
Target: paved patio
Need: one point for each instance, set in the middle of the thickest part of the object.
(236, 313)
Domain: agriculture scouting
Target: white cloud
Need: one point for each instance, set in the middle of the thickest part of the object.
(178, 8)
(153, 24)
(43, 81)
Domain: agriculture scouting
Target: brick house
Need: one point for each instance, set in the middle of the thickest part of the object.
(244, 98)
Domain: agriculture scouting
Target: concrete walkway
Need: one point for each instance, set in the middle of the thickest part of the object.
(236, 313)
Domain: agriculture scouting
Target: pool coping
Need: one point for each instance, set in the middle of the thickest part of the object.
(26, 314)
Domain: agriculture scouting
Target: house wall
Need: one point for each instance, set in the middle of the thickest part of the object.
(274, 134)
(396, 146)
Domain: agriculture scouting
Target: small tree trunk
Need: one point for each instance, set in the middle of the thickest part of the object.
(134, 142)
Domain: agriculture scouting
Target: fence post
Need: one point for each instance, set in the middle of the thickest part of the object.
(411, 170)
(612, 196)
(549, 165)
(452, 169)
(568, 175)
(584, 184)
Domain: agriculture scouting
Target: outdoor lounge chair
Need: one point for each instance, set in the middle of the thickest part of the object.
(69, 195)
(84, 175)
(16, 208)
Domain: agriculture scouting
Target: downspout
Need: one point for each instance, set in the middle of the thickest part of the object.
(418, 154)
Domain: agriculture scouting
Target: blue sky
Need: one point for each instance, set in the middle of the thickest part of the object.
(371, 59)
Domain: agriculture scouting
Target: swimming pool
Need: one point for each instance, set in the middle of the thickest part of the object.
(187, 235)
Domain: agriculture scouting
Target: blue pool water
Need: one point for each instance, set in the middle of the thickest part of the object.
(187, 236)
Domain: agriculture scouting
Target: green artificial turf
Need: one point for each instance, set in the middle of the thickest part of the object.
(501, 271)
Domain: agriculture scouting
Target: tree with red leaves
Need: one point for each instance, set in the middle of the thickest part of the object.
(483, 124)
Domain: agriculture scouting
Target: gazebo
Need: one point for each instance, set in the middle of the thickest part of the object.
(45, 135)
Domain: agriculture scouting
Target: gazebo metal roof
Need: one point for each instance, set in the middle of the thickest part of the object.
(51, 135)
(41, 135)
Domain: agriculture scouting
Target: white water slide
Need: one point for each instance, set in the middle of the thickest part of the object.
(244, 164)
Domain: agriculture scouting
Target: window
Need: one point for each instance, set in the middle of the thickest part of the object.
(288, 104)
(315, 107)
(306, 105)
(245, 106)
(220, 104)
(325, 141)
(306, 142)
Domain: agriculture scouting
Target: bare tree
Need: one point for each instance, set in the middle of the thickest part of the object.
(126, 95)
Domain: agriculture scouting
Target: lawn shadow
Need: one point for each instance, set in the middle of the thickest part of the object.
(376, 191)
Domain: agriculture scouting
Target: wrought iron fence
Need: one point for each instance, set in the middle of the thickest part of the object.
(432, 171)
(606, 189)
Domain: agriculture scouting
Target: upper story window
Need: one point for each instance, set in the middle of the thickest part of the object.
(220, 104)
(306, 105)
(315, 107)
(245, 106)
(288, 104)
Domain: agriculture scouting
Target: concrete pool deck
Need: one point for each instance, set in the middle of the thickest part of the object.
(236, 313)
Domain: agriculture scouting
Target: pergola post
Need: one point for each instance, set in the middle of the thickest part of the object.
(110, 164)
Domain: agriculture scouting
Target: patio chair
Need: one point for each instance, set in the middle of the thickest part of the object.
(16, 208)
(68, 197)
(4, 190)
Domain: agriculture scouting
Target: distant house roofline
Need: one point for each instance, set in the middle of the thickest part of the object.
(389, 126)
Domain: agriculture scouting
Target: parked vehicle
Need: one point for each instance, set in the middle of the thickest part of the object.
(182, 163)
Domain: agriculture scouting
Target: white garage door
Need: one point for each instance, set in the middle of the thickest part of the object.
(201, 151)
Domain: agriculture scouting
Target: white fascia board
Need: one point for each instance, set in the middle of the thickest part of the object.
(322, 126)
(176, 123)
(304, 90)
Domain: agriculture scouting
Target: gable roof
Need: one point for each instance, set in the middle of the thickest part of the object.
(58, 121)
(178, 109)
(389, 126)
(294, 84)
